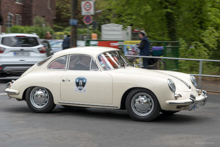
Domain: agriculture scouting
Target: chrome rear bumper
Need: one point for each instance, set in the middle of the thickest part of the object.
(11, 91)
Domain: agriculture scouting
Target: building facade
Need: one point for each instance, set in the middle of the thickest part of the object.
(23, 12)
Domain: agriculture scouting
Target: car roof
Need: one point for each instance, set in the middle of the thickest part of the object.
(89, 50)
(17, 34)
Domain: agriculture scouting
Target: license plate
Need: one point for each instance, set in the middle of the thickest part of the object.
(21, 53)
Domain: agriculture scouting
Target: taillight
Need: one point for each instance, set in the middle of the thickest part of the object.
(2, 50)
(42, 50)
(0, 67)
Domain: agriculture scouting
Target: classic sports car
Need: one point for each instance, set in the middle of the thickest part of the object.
(102, 77)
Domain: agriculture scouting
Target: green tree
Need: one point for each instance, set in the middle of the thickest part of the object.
(63, 12)
(193, 22)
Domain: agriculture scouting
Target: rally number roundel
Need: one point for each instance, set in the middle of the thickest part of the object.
(80, 84)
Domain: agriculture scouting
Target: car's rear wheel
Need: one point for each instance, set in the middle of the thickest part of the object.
(142, 105)
(39, 99)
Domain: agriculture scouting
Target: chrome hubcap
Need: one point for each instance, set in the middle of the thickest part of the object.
(142, 104)
(39, 97)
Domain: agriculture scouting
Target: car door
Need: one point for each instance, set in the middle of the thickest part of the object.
(84, 83)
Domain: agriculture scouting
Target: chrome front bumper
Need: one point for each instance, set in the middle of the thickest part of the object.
(193, 102)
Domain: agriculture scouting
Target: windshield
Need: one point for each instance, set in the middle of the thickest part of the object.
(113, 60)
(20, 41)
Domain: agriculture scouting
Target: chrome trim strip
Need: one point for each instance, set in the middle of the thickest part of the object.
(68, 62)
(68, 103)
(183, 103)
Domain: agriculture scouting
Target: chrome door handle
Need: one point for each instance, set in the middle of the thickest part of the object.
(64, 80)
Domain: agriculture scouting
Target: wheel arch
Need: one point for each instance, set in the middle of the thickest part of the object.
(24, 93)
(123, 99)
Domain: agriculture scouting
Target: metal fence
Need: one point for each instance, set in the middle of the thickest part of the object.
(200, 75)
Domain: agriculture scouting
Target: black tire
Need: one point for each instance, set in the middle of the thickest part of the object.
(49, 103)
(168, 112)
(151, 104)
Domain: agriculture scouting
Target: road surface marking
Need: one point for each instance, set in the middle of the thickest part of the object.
(3, 93)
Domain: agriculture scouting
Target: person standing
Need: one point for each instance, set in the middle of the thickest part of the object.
(48, 36)
(144, 48)
(66, 42)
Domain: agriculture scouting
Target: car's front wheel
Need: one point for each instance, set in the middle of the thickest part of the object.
(142, 105)
(39, 99)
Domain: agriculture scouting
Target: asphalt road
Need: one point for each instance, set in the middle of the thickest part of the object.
(89, 127)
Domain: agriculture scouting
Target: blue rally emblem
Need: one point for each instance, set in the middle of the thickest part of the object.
(80, 84)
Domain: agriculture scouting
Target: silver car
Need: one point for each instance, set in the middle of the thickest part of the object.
(18, 52)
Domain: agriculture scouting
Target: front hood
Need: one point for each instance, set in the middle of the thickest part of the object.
(181, 80)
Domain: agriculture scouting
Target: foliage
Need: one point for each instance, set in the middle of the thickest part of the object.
(104, 16)
(80, 31)
(40, 22)
(63, 12)
(58, 28)
(40, 31)
(195, 23)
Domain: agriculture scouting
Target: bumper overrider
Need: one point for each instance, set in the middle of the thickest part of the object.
(193, 102)
(11, 91)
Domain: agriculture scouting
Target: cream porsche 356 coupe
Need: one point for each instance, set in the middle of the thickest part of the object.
(102, 77)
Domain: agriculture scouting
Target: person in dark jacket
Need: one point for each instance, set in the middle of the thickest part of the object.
(66, 42)
(144, 48)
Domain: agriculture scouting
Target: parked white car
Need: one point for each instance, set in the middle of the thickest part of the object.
(18, 52)
(102, 77)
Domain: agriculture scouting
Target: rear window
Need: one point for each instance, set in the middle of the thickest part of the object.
(20, 41)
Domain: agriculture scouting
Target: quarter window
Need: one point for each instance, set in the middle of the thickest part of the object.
(42, 62)
(59, 63)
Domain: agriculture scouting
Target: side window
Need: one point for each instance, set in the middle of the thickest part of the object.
(82, 62)
(59, 63)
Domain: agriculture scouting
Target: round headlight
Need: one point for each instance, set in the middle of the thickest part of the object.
(171, 85)
(193, 80)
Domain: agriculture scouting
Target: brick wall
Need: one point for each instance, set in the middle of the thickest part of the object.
(41, 8)
(27, 13)
(9, 6)
(28, 10)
